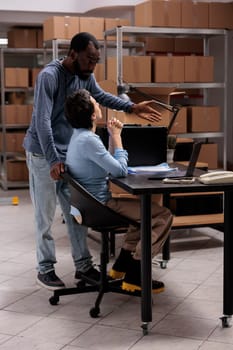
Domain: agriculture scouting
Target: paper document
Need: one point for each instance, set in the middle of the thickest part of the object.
(151, 169)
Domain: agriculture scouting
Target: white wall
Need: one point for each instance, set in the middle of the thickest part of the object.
(69, 5)
(62, 6)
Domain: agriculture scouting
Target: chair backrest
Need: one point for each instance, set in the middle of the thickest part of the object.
(94, 213)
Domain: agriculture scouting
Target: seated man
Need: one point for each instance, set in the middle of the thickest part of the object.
(90, 163)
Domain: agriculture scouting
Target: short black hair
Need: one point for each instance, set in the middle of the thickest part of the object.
(80, 41)
(79, 109)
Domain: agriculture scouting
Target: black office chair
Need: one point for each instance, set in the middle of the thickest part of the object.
(103, 220)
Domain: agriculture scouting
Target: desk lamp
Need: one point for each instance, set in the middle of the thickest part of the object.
(123, 90)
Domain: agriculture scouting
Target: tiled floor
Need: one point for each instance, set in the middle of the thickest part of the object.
(185, 316)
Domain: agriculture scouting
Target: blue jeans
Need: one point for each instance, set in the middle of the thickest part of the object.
(44, 192)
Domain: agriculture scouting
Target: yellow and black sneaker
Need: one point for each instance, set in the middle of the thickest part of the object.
(132, 279)
(157, 287)
(119, 267)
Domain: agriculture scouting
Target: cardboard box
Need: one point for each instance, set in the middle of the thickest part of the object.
(99, 72)
(136, 69)
(33, 75)
(14, 141)
(111, 87)
(220, 15)
(188, 45)
(39, 38)
(111, 23)
(199, 69)
(161, 94)
(108, 86)
(22, 37)
(16, 97)
(16, 170)
(16, 114)
(164, 95)
(194, 14)
(209, 154)
(93, 25)
(158, 45)
(16, 77)
(29, 112)
(60, 27)
(168, 69)
(158, 13)
(131, 118)
(203, 119)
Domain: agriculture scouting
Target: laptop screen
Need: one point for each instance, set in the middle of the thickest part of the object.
(146, 145)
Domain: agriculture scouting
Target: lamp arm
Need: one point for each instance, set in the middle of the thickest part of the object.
(124, 89)
(175, 112)
(158, 102)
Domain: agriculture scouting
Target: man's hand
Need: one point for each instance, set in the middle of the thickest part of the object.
(114, 129)
(145, 111)
(114, 126)
(56, 170)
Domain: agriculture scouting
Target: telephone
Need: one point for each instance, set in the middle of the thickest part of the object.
(217, 177)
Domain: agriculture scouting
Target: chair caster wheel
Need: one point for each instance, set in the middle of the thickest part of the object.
(54, 300)
(226, 321)
(163, 264)
(144, 328)
(94, 312)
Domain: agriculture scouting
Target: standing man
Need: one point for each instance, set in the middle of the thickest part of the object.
(46, 143)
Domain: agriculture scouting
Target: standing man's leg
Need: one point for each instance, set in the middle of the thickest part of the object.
(78, 236)
(43, 196)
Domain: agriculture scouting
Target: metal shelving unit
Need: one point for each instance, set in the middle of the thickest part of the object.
(59, 46)
(14, 57)
(206, 35)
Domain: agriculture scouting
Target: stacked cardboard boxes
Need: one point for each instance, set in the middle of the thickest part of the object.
(163, 69)
(25, 38)
(203, 119)
(184, 13)
(16, 77)
(17, 170)
(158, 13)
(209, 155)
(17, 114)
(93, 25)
(136, 69)
(60, 27)
(13, 142)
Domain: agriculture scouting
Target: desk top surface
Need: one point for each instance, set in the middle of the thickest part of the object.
(140, 184)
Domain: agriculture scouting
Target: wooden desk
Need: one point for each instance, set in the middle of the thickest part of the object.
(144, 188)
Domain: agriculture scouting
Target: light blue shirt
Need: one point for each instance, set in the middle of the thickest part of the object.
(90, 163)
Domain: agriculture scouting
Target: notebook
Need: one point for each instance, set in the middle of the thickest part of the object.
(146, 145)
(182, 173)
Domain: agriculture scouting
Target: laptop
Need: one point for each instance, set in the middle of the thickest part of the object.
(178, 173)
(146, 144)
